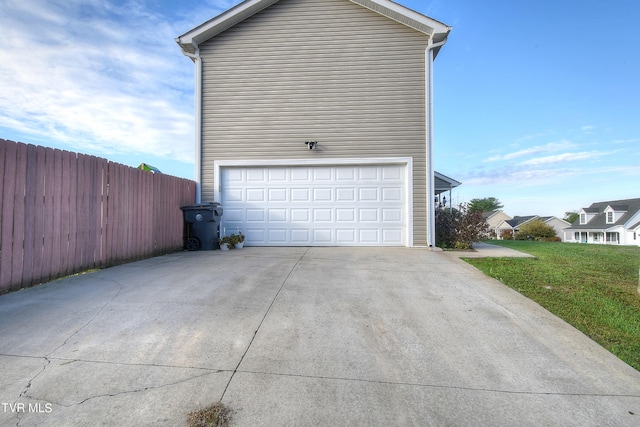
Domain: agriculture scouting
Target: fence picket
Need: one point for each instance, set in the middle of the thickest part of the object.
(64, 212)
(9, 161)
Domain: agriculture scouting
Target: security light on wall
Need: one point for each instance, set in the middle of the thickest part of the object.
(311, 144)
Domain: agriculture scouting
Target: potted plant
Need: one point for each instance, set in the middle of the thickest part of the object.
(226, 243)
(238, 240)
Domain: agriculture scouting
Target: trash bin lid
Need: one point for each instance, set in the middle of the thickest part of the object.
(207, 206)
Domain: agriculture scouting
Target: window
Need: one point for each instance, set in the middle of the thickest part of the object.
(609, 217)
(583, 218)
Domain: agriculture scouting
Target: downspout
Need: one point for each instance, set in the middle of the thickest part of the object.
(431, 193)
(198, 121)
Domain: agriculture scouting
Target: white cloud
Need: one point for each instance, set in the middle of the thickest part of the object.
(96, 74)
(563, 158)
(547, 148)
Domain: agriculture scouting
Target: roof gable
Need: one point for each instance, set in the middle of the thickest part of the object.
(597, 214)
(191, 39)
(519, 220)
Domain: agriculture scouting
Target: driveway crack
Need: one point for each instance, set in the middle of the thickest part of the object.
(90, 321)
(46, 357)
(266, 313)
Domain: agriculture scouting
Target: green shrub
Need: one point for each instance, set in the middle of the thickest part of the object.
(459, 228)
(535, 230)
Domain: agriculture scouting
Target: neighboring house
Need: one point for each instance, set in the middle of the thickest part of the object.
(514, 224)
(443, 184)
(615, 222)
(314, 121)
(558, 224)
(493, 219)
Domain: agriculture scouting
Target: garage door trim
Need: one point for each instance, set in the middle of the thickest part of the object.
(407, 162)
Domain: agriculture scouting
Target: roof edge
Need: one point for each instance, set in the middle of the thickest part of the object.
(394, 11)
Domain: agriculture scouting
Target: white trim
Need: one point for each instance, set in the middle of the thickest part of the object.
(248, 8)
(406, 161)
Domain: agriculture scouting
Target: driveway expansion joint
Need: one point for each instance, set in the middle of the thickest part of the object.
(262, 320)
(442, 386)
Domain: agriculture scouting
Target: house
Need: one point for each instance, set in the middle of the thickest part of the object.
(615, 222)
(513, 225)
(493, 219)
(314, 121)
(443, 184)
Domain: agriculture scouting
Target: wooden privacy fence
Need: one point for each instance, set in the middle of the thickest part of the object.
(63, 213)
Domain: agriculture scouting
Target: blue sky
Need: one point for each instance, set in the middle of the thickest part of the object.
(537, 103)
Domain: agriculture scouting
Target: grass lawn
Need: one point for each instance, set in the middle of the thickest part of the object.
(592, 287)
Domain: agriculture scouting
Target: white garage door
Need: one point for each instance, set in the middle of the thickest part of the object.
(316, 205)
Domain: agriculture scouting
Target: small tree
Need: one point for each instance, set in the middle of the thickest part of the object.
(459, 228)
(487, 204)
(571, 217)
(535, 230)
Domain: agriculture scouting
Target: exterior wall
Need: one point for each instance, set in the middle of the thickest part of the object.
(495, 220)
(558, 225)
(324, 70)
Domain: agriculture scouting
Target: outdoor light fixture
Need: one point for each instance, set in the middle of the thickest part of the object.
(311, 144)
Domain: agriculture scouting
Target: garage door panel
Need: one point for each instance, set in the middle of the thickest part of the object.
(392, 236)
(300, 195)
(368, 173)
(311, 205)
(392, 215)
(255, 175)
(346, 215)
(370, 235)
(322, 174)
(255, 195)
(368, 194)
(322, 235)
(322, 195)
(323, 215)
(278, 194)
(300, 236)
(253, 215)
(345, 175)
(277, 215)
(234, 215)
(346, 195)
(391, 194)
(300, 215)
(235, 195)
(277, 174)
(368, 215)
(300, 175)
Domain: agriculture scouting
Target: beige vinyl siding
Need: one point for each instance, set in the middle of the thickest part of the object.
(325, 70)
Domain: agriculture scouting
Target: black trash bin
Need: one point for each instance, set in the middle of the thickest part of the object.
(202, 226)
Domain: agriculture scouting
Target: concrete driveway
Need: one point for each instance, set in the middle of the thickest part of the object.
(301, 336)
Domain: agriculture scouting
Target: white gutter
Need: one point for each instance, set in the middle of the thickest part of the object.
(431, 192)
(198, 120)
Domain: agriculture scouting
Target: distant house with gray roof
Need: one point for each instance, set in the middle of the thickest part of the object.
(494, 219)
(514, 224)
(615, 222)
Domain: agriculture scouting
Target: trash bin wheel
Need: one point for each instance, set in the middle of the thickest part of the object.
(193, 244)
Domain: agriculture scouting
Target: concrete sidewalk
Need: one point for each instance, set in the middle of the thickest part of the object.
(301, 336)
(487, 250)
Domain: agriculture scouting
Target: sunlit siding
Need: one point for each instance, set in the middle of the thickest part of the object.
(325, 70)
